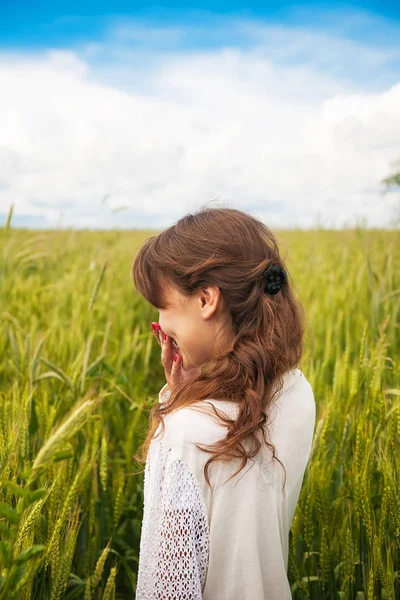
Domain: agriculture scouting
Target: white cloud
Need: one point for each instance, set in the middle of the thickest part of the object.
(289, 141)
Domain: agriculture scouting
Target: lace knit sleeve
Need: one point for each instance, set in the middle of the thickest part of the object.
(174, 544)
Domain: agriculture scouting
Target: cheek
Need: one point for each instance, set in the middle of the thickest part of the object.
(188, 336)
(164, 324)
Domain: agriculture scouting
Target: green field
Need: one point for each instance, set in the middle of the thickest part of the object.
(80, 369)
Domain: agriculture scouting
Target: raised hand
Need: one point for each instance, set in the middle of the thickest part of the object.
(170, 358)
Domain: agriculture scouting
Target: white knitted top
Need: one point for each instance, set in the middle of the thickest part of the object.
(229, 542)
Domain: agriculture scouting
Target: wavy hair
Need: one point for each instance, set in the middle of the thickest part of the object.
(231, 249)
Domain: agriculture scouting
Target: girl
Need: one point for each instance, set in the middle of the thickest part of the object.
(231, 335)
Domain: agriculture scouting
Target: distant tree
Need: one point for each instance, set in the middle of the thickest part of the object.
(393, 179)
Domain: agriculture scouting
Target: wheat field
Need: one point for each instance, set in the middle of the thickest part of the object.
(80, 369)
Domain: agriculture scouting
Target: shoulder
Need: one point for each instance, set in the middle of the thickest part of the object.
(297, 395)
(197, 423)
(200, 424)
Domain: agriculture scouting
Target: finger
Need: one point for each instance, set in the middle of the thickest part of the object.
(167, 354)
(176, 373)
(157, 338)
(156, 331)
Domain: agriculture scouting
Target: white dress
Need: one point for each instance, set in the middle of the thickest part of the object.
(231, 542)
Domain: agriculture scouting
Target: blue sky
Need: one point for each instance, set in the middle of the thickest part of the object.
(28, 24)
(116, 116)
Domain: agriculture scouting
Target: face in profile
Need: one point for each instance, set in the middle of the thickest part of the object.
(191, 323)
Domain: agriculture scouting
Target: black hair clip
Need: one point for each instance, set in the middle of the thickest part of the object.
(275, 277)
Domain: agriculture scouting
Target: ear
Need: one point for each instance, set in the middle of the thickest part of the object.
(209, 299)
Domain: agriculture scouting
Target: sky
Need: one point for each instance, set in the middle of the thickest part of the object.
(114, 115)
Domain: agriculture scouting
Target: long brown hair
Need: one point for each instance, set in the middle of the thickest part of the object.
(230, 249)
